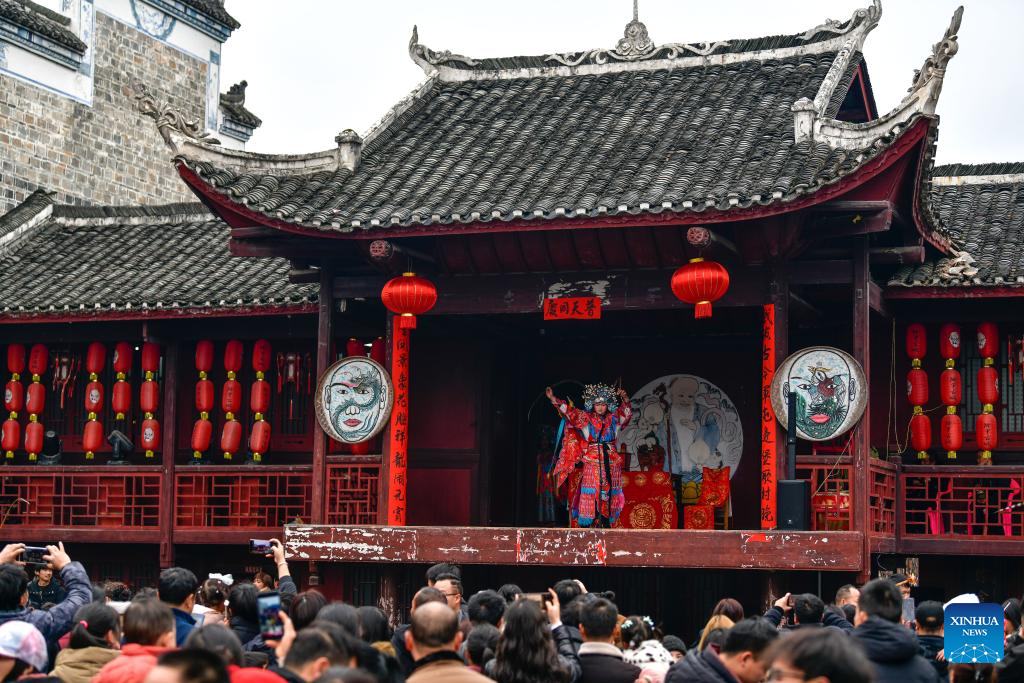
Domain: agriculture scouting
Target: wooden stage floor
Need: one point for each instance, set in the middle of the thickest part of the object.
(782, 550)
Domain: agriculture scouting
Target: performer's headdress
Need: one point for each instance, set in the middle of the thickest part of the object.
(600, 393)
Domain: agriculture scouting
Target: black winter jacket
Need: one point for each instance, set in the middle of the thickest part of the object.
(929, 646)
(699, 667)
(774, 616)
(894, 652)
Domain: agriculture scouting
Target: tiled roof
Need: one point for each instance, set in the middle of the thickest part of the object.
(623, 131)
(233, 104)
(43, 21)
(215, 9)
(981, 210)
(142, 260)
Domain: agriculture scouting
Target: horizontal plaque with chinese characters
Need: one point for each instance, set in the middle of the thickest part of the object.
(573, 308)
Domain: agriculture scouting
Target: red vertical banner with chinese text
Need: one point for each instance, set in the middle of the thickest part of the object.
(398, 434)
(768, 454)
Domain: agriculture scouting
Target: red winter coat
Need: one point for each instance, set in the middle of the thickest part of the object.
(132, 666)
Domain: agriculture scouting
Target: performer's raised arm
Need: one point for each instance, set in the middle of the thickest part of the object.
(574, 416)
(625, 410)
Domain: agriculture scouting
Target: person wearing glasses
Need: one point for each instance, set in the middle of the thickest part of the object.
(818, 656)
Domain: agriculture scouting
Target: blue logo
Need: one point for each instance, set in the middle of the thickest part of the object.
(974, 633)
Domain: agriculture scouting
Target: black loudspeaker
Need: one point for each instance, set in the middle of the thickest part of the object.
(794, 504)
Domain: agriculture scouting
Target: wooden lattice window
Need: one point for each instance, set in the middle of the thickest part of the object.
(1010, 409)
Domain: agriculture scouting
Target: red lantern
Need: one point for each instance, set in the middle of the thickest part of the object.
(149, 397)
(33, 439)
(233, 354)
(150, 436)
(700, 283)
(259, 439)
(38, 358)
(986, 432)
(354, 347)
(917, 343)
(93, 397)
(988, 387)
(231, 438)
(408, 296)
(202, 433)
(121, 399)
(259, 397)
(11, 437)
(917, 387)
(949, 343)
(921, 434)
(231, 398)
(950, 387)
(378, 351)
(204, 357)
(95, 359)
(150, 359)
(951, 431)
(261, 357)
(204, 395)
(35, 398)
(14, 397)
(92, 439)
(988, 341)
(16, 359)
(122, 361)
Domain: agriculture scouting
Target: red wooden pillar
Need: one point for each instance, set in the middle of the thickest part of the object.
(862, 434)
(383, 488)
(778, 288)
(168, 446)
(769, 455)
(324, 339)
(398, 432)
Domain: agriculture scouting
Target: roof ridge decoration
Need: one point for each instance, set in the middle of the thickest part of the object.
(173, 124)
(811, 124)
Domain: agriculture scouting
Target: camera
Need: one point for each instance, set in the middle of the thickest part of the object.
(34, 555)
(260, 547)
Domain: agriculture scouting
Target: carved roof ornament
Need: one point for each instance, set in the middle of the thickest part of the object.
(943, 51)
(235, 94)
(422, 53)
(870, 15)
(634, 45)
(172, 123)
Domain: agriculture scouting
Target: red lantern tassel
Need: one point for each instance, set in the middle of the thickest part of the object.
(406, 321)
(702, 310)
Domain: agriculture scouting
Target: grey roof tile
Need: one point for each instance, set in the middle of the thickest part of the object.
(43, 21)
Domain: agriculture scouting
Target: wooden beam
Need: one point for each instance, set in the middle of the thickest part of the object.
(172, 353)
(790, 550)
(860, 223)
(876, 301)
(833, 272)
(1003, 292)
(861, 455)
(324, 345)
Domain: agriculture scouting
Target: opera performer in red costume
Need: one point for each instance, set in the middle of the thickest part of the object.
(588, 436)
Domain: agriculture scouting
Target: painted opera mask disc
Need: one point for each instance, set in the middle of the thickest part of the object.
(682, 424)
(354, 399)
(831, 392)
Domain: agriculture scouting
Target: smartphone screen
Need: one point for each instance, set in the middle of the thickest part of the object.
(259, 547)
(269, 607)
(908, 609)
(33, 555)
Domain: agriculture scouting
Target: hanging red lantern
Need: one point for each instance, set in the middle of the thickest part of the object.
(204, 357)
(951, 432)
(378, 351)
(261, 357)
(204, 396)
(35, 398)
(917, 343)
(120, 394)
(149, 397)
(231, 438)
(986, 433)
(950, 387)
(988, 387)
(93, 398)
(949, 343)
(121, 399)
(150, 359)
(259, 439)
(11, 437)
(988, 342)
(231, 398)
(33, 440)
(700, 283)
(408, 296)
(14, 397)
(95, 359)
(233, 356)
(259, 397)
(38, 359)
(92, 438)
(150, 436)
(122, 360)
(16, 358)
(917, 387)
(202, 434)
(354, 347)
(921, 434)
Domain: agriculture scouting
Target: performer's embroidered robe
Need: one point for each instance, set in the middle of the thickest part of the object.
(591, 438)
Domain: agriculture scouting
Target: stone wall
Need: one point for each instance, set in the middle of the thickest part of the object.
(107, 153)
